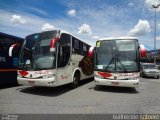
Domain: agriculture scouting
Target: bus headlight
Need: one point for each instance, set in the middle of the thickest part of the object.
(98, 76)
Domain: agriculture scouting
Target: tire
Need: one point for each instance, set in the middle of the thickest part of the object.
(140, 74)
(76, 80)
(157, 77)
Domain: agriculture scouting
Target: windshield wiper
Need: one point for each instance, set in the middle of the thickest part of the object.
(125, 70)
(28, 49)
(37, 66)
(109, 63)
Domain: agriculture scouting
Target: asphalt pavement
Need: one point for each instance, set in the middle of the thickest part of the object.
(86, 99)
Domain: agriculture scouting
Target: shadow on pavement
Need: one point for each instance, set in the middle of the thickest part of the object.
(116, 89)
(150, 78)
(51, 91)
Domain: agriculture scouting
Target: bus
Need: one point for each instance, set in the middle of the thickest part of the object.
(9, 63)
(117, 61)
(54, 58)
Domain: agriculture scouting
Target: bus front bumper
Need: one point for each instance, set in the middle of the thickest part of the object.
(48, 82)
(118, 83)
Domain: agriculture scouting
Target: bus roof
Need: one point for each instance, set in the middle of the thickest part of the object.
(62, 31)
(116, 38)
(10, 36)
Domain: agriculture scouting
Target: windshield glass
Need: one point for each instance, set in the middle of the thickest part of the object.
(36, 52)
(117, 55)
(127, 55)
(149, 67)
(106, 55)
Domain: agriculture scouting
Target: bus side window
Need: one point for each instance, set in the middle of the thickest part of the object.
(84, 49)
(76, 45)
(81, 47)
(64, 50)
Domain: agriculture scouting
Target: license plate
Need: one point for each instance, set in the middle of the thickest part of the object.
(31, 82)
(115, 83)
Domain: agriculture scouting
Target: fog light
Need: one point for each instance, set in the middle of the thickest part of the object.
(98, 76)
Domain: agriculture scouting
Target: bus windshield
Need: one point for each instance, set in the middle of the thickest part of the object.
(117, 56)
(36, 52)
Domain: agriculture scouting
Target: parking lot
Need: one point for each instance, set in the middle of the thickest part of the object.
(86, 99)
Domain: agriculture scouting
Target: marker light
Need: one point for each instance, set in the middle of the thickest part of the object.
(142, 51)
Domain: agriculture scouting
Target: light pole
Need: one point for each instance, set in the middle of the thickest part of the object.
(155, 22)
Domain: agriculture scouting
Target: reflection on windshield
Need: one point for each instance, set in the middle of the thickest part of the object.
(127, 56)
(25, 63)
(117, 55)
(105, 56)
(36, 49)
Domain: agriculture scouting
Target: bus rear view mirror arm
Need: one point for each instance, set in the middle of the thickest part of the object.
(90, 52)
(11, 48)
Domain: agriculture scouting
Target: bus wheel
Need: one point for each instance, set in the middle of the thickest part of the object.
(76, 79)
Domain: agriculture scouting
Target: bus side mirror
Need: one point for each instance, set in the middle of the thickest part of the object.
(11, 49)
(53, 44)
(143, 51)
(90, 52)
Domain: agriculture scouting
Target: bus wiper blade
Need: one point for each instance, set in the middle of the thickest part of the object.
(27, 49)
(33, 60)
(122, 64)
(109, 63)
